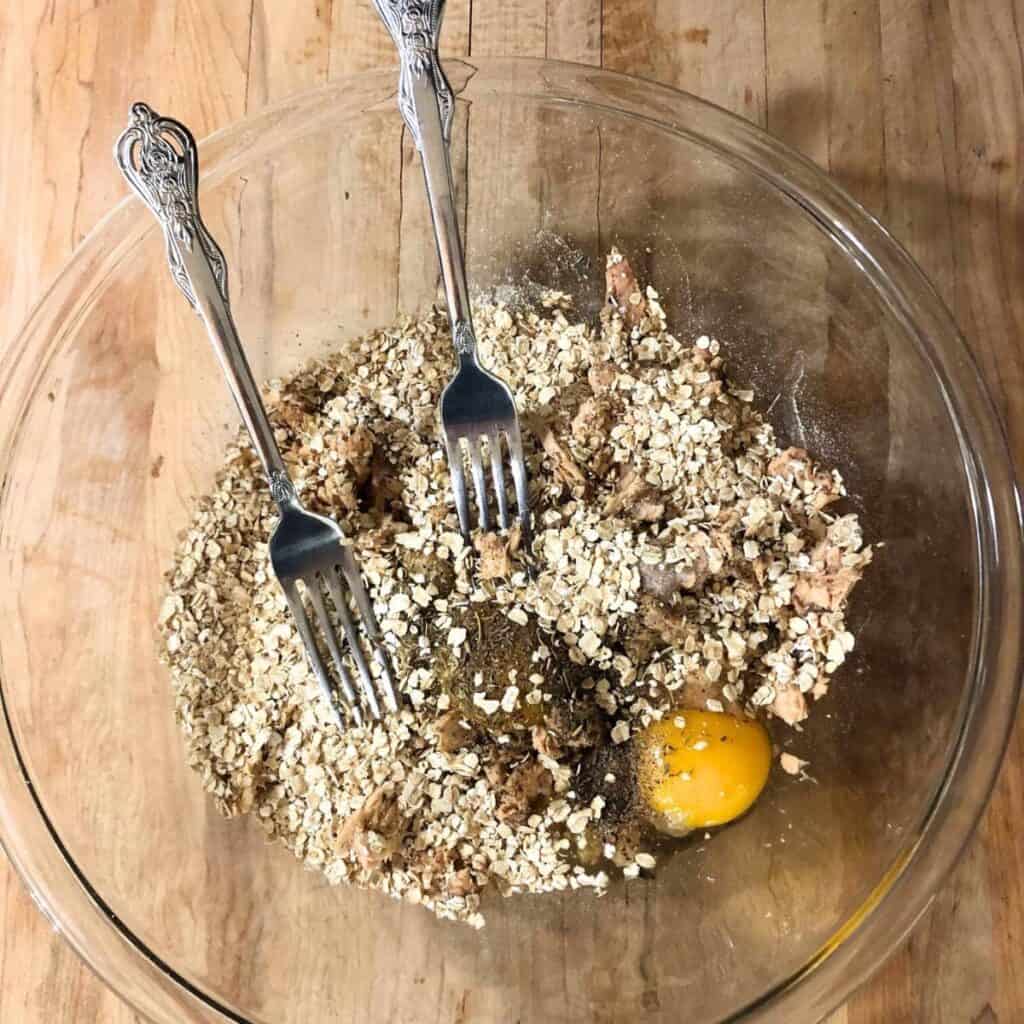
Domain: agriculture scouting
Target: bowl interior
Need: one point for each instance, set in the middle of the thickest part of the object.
(326, 233)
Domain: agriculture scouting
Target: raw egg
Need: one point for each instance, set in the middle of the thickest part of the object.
(697, 769)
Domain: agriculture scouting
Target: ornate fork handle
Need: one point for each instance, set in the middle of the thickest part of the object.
(427, 104)
(415, 26)
(158, 157)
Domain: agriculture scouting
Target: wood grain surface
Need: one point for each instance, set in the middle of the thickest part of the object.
(915, 106)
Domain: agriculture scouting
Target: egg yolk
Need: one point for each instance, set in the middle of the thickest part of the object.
(697, 769)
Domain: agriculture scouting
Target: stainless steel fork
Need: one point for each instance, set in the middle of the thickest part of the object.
(476, 404)
(158, 157)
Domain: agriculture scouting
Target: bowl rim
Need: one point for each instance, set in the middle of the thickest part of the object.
(153, 987)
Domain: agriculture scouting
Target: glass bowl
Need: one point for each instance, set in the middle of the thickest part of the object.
(113, 417)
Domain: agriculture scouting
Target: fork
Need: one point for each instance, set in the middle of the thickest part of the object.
(476, 404)
(159, 159)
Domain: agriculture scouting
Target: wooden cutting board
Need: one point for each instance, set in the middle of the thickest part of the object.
(915, 106)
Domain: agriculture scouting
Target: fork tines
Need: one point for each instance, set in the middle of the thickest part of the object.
(336, 583)
(474, 446)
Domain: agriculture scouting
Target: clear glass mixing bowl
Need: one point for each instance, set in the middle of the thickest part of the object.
(113, 416)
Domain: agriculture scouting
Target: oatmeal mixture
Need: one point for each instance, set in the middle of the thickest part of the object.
(681, 560)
